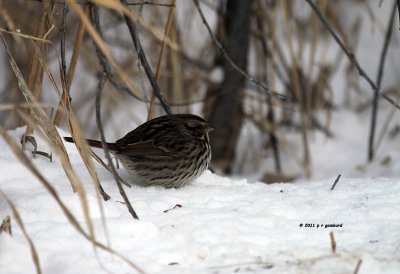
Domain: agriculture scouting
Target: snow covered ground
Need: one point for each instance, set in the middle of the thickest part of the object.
(215, 225)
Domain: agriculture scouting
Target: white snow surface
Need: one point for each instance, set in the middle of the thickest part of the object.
(222, 226)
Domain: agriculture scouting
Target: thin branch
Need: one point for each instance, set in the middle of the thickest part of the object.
(100, 161)
(77, 47)
(379, 77)
(269, 100)
(398, 10)
(348, 53)
(160, 58)
(65, 96)
(72, 67)
(143, 60)
(94, 16)
(226, 56)
(99, 92)
(333, 242)
(107, 66)
(35, 77)
(60, 2)
(336, 181)
(106, 74)
(357, 269)
(125, 89)
(62, 45)
(100, 42)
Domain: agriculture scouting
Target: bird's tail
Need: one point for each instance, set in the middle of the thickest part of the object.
(94, 143)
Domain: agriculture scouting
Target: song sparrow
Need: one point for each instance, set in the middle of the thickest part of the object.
(170, 151)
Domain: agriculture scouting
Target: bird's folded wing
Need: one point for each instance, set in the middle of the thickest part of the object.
(148, 148)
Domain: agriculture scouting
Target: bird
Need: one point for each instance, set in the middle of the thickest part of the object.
(170, 151)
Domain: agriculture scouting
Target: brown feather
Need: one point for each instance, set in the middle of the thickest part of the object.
(113, 147)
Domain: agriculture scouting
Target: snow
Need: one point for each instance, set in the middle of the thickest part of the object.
(214, 225)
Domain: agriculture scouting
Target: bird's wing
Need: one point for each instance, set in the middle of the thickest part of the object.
(146, 131)
(155, 138)
(141, 149)
(160, 147)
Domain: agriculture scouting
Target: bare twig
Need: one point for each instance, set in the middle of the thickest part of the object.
(371, 151)
(269, 101)
(100, 161)
(26, 36)
(336, 181)
(160, 58)
(35, 76)
(94, 16)
(71, 69)
(106, 152)
(349, 54)
(104, 63)
(122, 88)
(100, 43)
(62, 46)
(357, 269)
(84, 2)
(223, 52)
(57, 118)
(398, 10)
(333, 242)
(14, 106)
(75, 53)
(143, 60)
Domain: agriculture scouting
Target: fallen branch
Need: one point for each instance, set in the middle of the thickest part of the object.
(336, 181)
